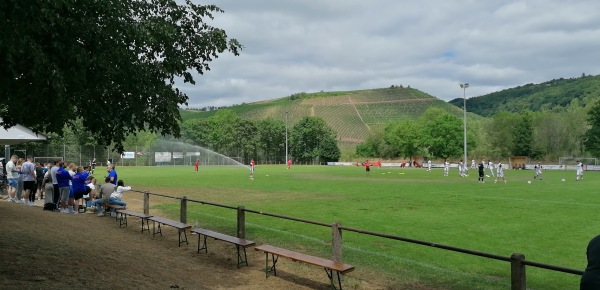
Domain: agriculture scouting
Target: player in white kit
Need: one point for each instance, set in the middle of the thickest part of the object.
(579, 170)
(446, 168)
(491, 168)
(500, 173)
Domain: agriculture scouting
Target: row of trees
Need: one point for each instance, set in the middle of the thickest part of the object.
(571, 131)
(309, 141)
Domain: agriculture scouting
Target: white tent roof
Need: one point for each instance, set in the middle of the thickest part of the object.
(18, 134)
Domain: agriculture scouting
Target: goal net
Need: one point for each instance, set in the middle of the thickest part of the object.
(46, 159)
(566, 162)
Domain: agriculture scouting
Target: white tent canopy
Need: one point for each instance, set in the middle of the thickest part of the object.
(18, 134)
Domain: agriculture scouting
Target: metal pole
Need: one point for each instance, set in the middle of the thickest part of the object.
(286, 137)
(464, 87)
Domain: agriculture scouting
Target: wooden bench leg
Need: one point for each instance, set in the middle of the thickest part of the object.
(154, 230)
(330, 274)
(204, 246)
(241, 260)
(147, 228)
(272, 268)
(122, 219)
(181, 241)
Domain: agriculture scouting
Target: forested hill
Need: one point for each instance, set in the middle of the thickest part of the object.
(353, 115)
(535, 97)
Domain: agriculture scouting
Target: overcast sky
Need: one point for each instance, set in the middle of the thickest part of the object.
(294, 46)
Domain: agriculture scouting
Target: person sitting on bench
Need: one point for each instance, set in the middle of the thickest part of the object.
(117, 195)
(102, 199)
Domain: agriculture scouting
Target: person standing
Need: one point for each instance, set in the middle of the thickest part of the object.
(93, 165)
(481, 168)
(52, 171)
(590, 280)
(252, 169)
(63, 178)
(79, 187)
(196, 166)
(29, 188)
(289, 164)
(429, 165)
(461, 169)
(500, 173)
(473, 166)
(367, 168)
(446, 167)
(579, 170)
(491, 168)
(112, 174)
(39, 180)
(538, 171)
(12, 176)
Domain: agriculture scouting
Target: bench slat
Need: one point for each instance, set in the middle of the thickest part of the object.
(169, 222)
(222, 237)
(133, 213)
(295, 256)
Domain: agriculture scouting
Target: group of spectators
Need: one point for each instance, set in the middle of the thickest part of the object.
(63, 187)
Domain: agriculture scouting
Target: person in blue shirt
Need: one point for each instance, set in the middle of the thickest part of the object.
(79, 186)
(112, 174)
(63, 177)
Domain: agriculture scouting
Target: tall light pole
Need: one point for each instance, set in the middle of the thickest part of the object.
(464, 87)
(286, 136)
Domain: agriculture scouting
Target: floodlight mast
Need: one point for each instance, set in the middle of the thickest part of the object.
(464, 87)
(286, 137)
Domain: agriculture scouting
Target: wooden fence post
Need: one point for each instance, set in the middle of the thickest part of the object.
(518, 280)
(336, 241)
(336, 245)
(146, 202)
(183, 213)
(241, 222)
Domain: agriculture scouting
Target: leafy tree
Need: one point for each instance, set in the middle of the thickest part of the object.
(500, 133)
(371, 147)
(196, 131)
(112, 64)
(271, 138)
(592, 136)
(405, 136)
(523, 135)
(247, 139)
(312, 140)
(442, 133)
(223, 131)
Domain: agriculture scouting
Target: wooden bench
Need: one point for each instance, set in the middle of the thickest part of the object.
(243, 243)
(123, 213)
(109, 207)
(329, 265)
(181, 227)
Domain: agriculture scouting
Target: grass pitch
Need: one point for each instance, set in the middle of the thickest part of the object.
(549, 221)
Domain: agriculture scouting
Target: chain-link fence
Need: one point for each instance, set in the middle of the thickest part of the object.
(160, 154)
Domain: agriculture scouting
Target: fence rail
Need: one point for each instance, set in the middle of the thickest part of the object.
(517, 260)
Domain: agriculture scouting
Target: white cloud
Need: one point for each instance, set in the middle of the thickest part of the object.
(307, 45)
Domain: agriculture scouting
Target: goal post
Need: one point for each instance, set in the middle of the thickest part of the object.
(566, 161)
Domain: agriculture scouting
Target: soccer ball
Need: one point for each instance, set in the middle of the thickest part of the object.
(487, 176)
(563, 179)
(529, 181)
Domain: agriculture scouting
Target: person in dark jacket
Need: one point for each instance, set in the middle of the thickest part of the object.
(591, 276)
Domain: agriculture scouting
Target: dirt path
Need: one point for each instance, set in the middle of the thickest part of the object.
(49, 250)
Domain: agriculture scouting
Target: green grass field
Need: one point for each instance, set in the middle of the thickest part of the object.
(549, 221)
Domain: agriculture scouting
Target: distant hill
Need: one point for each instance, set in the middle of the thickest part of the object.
(354, 115)
(554, 93)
